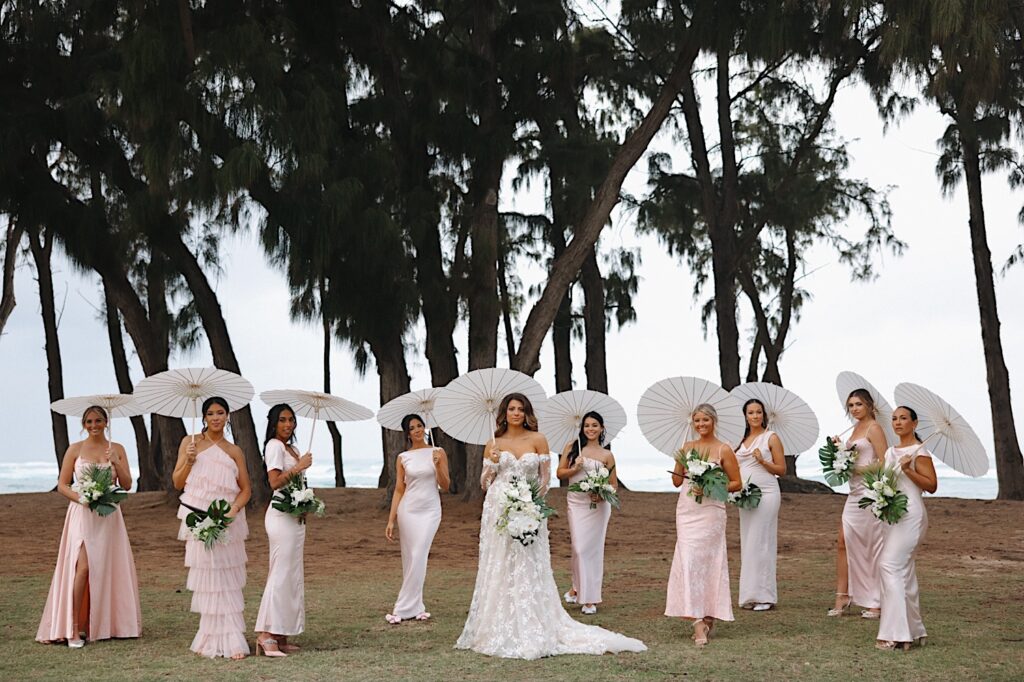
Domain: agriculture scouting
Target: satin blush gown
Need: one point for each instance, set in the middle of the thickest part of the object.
(759, 528)
(516, 610)
(419, 515)
(863, 533)
(110, 607)
(901, 606)
(283, 607)
(216, 576)
(587, 530)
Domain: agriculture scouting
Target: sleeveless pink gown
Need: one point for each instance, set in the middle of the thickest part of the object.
(901, 606)
(863, 534)
(698, 583)
(759, 528)
(283, 607)
(587, 530)
(110, 607)
(419, 515)
(216, 576)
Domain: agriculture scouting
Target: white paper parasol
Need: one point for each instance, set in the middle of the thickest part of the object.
(116, 404)
(562, 415)
(181, 392)
(848, 382)
(465, 409)
(420, 402)
(788, 415)
(316, 405)
(948, 435)
(664, 412)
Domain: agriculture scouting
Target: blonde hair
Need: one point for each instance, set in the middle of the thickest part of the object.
(709, 410)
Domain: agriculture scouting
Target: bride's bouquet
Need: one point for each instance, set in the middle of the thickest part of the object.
(704, 474)
(837, 463)
(597, 482)
(523, 510)
(208, 527)
(96, 489)
(296, 499)
(748, 497)
(882, 495)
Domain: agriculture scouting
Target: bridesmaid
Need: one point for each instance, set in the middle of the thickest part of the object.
(698, 584)
(211, 468)
(416, 506)
(94, 586)
(283, 609)
(761, 459)
(860, 534)
(901, 609)
(587, 527)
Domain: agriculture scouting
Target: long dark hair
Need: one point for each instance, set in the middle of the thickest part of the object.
(501, 419)
(210, 402)
(746, 424)
(865, 395)
(575, 451)
(913, 417)
(407, 424)
(272, 417)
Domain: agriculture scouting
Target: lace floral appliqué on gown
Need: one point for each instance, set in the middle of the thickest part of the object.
(516, 611)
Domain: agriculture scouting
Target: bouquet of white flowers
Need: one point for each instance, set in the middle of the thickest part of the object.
(748, 497)
(208, 527)
(704, 474)
(96, 489)
(886, 501)
(837, 463)
(296, 499)
(597, 482)
(523, 510)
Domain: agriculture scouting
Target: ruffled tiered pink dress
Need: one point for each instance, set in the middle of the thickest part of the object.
(698, 583)
(419, 515)
(110, 607)
(901, 605)
(283, 607)
(216, 576)
(863, 534)
(759, 527)
(587, 530)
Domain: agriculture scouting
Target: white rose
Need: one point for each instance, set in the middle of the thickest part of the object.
(603, 472)
(878, 485)
(585, 486)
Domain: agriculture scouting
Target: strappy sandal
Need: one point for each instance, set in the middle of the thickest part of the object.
(423, 616)
(393, 619)
(700, 638)
(841, 610)
(886, 645)
(868, 614)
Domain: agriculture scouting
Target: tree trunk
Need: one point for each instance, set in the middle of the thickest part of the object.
(506, 304)
(564, 269)
(12, 241)
(149, 477)
(389, 356)
(339, 467)
(484, 307)
(594, 323)
(242, 426)
(1009, 464)
(41, 243)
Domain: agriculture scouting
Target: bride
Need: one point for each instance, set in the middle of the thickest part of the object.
(516, 611)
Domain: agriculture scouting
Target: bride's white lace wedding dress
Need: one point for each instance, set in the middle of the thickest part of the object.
(516, 611)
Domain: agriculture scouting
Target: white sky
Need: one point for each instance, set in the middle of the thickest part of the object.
(917, 322)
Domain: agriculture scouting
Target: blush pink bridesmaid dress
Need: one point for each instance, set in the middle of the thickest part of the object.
(419, 515)
(282, 609)
(863, 534)
(110, 607)
(901, 606)
(698, 583)
(587, 530)
(216, 576)
(759, 528)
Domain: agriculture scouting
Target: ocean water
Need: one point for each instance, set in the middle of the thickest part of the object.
(30, 477)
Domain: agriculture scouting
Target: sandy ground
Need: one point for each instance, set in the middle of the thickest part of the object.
(965, 536)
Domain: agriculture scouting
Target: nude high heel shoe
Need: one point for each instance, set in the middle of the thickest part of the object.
(269, 648)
